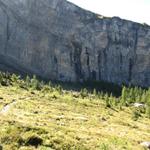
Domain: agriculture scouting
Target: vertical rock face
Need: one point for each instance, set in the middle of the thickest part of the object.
(58, 40)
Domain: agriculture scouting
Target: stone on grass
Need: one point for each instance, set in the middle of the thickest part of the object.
(139, 105)
(145, 144)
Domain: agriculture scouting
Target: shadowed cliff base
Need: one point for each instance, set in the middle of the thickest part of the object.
(103, 87)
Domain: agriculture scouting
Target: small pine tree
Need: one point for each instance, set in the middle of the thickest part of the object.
(59, 89)
(46, 89)
(27, 82)
(132, 96)
(50, 86)
(136, 92)
(15, 78)
(84, 93)
(101, 95)
(34, 83)
(94, 92)
(143, 98)
(136, 114)
(148, 96)
(140, 94)
(1, 78)
(41, 84)
(50, 83)
(107, 99)
(148, 111)
(124, 96)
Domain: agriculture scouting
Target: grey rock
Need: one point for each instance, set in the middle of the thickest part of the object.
(57, 40)
(138, 105)
(145, 144)
(81, 118)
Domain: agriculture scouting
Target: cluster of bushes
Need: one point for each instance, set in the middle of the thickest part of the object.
(139, 96)
(7, 79)
(135, 97)
(28, 83)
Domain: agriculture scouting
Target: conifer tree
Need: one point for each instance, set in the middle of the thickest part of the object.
(34, 83)
(27, 81)
(94, 92)
(124, 96)
(107, 99)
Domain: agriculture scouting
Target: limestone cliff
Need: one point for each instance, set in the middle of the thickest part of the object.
(58, 40)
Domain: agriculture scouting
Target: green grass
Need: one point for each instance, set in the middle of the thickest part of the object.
(52, 118)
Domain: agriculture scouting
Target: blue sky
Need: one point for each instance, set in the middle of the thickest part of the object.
(135, 10)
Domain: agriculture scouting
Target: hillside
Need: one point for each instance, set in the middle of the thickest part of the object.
(34, 115)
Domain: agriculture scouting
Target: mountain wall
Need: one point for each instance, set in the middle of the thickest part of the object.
(57, 40)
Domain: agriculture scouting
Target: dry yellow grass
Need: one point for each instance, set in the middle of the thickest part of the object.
(65, 121)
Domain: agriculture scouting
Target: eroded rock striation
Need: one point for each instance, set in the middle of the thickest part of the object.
(60, 41)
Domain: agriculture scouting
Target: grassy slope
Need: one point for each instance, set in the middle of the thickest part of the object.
(66, 121)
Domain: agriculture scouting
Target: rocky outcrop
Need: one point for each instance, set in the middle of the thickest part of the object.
(60, 41)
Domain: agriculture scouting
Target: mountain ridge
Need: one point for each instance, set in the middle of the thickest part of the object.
(60, 41)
